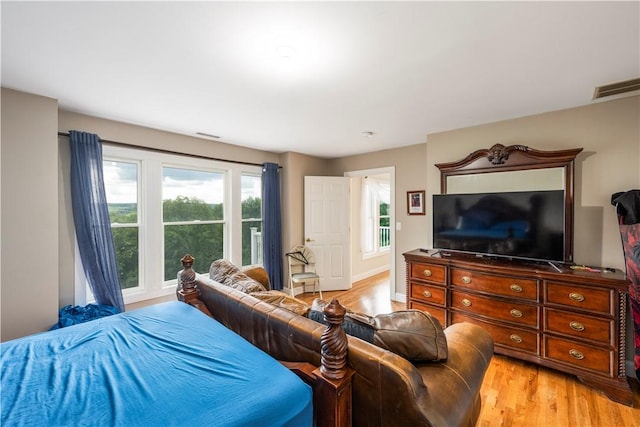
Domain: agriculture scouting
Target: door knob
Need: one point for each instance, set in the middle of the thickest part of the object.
(309, 240)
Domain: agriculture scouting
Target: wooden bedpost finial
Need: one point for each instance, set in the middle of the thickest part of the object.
(187, 291)
(334, 342)
(187, 275)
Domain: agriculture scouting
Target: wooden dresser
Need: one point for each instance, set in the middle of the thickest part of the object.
(570, 320)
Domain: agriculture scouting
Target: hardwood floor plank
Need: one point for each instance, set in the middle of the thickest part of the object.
(514, 393)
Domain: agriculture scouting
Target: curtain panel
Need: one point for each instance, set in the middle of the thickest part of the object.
(91, 219)
(272, 224)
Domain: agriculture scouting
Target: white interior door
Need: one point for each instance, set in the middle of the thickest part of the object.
(326, 228)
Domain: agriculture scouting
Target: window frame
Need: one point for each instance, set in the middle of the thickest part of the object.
(243, 220)
(150, 218)
(139, 224)
(373, 226)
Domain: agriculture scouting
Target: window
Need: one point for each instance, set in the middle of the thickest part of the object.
(375, 218)
(192, 215)
(251, 219)
(384, 224)
(163, 206)
(122, 200)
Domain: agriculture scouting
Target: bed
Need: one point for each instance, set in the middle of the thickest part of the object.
(167, 364)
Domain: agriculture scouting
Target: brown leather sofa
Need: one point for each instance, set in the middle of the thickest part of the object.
(388, 390)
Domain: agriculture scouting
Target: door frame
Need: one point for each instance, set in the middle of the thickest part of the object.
(391, 171)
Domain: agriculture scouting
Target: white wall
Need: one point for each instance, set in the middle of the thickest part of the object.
(29, 229)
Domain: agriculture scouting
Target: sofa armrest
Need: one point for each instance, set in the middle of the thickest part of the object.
(456, 383)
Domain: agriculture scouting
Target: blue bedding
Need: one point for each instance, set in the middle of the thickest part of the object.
(166, 364)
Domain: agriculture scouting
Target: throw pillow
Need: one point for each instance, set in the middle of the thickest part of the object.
(222, 268)
(413, 334)
(225, 272)
(258, 274)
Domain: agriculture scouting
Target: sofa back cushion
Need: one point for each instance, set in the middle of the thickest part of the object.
(413, 334)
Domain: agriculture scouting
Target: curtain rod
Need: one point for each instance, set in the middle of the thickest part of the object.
(161, 150)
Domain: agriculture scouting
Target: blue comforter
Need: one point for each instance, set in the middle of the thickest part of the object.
(167, 364)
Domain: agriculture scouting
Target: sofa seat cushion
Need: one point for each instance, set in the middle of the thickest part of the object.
(225, 272)
(413, 334)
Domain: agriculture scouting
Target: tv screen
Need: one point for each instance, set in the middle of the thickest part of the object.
(521, 224)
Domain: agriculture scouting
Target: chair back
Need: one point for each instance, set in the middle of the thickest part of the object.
(301, 255)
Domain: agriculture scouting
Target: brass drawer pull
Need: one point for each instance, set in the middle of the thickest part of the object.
(466, 302)
(466, 280)
(576, 326)
(516, 338)
(516, 313)
(427, 294)
(516, 288)
(576, 296)
(427, 273)
(576, 354)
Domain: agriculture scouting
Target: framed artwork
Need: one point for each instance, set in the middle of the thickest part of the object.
(415, 202)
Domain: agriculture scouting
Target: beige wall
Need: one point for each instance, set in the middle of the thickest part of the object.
(609, 132)
(147, 137)
(295, 167)
(410, 174)
(29, 230)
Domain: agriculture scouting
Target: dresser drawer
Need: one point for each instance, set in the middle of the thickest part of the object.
(579, 325)
(437, 312)
(429, 272)
(579, 355)
(508, 311)
(511, 337)
(588, 299)
(427, 293)
(499, 285)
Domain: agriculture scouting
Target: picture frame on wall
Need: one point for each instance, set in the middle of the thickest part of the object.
(415, 202)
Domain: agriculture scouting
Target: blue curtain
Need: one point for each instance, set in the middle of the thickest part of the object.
(91, 219)
(272, 224)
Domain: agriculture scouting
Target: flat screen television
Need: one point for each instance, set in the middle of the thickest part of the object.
(521, 224)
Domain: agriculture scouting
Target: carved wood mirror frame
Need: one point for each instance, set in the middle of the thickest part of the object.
(520, 158)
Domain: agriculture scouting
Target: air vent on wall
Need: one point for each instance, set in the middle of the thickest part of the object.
(616, 88)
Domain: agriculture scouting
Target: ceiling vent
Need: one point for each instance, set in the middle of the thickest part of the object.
(208, 135)
(616, 88)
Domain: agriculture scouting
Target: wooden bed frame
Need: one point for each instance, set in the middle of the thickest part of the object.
(331, 381)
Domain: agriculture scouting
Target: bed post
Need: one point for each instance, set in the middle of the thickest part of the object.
(333, 383)
(187, 291)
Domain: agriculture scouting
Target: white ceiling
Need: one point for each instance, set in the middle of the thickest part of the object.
(399, 69)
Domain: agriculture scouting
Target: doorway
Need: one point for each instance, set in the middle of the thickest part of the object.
(373, 224)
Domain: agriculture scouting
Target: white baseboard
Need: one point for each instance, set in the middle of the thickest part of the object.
(369, 273)
(400, 298)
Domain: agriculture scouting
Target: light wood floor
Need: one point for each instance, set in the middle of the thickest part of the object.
(514, 393)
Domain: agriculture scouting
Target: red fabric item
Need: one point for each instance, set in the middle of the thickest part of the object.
(631, 244)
